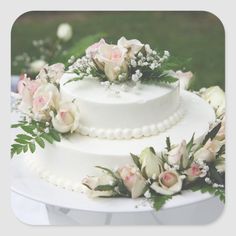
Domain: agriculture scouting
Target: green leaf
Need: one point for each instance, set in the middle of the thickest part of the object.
(211, 134)
(203, 187)
(215, 175)
(73, 80)
(159, 201)
(28, 129)
(87, 186)
(12, 152)
(40, 142)
(55, 135)
(136, 160)
(104, 187)
(15, 145)
(47, 137)
(19, 150)
(152, 150)
(190, 144)
(16, 125)
(122, 190)
(22, 141)
(221, 151)
(168, 144)
(110, 172)
(24, 136)
(32, 147)
(25, 148)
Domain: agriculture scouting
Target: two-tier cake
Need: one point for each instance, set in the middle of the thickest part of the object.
(117, 106)
(115, 122)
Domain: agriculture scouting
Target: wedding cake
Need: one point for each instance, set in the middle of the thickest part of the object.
(113, 124)
(116, 100)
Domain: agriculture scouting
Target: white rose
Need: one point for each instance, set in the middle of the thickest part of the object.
(45, 98)
(67, 117)
(151, 164)
(112, 59)
(133, 46)
(36, 66)
(64, 32)
(194, 172)
(52, 73)
(133, 180)
(179, 155)
(208, 152)
(220, 164)
(169, 183)
(91, 182)
(215, 96)
(93, 49)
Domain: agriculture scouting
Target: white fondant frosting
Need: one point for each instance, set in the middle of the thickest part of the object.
(113, 113)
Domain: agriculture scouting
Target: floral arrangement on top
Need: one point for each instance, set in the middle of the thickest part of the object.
(127, 61)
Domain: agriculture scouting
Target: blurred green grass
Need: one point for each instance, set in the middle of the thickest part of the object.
(196, 35)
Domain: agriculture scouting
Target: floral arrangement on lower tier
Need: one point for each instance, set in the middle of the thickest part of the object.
(193, 165)
(46, 115)
(128, 61)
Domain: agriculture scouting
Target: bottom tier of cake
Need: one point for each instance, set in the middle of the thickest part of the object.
(67, 162)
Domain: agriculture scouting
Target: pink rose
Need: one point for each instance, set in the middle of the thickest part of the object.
(169, 183)
(195, 171)
(45, 99)
(133, 180)
(26, 89)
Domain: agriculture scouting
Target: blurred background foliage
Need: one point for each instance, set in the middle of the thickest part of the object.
(196, 35)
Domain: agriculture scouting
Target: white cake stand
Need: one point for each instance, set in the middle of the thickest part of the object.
(77, 208)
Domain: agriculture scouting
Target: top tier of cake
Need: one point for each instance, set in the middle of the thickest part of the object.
(120, 112)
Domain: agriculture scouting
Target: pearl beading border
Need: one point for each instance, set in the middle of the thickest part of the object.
(145, 131)
(51, 178)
